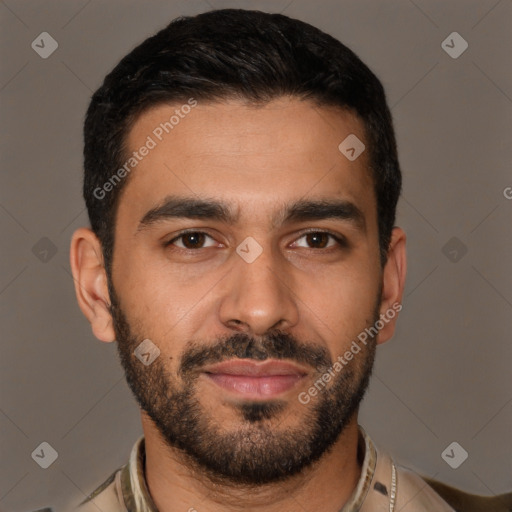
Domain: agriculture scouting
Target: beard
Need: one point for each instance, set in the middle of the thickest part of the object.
(258, 451)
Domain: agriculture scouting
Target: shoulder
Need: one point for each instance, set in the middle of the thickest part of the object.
(105, 497)
(420, 494)
(408, 491)
(467, 502)
(415, 495)
(123, 489)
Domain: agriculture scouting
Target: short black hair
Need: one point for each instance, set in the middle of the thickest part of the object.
(234, 54)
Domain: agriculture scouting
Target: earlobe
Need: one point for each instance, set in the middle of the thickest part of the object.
(90, 279)
(393, 284)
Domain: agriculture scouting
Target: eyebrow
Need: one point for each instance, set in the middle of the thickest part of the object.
(177, 207)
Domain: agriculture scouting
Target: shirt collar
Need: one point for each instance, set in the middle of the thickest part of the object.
(369, 455)
(137, 498)
(133, 482)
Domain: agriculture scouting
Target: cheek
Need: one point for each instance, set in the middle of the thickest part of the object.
(165, 305)
(350, 284)
(345, 304)
(148, 284)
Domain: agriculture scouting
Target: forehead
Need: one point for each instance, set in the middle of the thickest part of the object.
(252, 158)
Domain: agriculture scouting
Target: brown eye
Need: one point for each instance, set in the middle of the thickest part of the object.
(320, 240)
(190, 240)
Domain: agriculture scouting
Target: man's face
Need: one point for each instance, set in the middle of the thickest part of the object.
(249, 309)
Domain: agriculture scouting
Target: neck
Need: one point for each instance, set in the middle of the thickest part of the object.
(175, 486)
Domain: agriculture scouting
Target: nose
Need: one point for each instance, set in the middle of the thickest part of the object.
(257, 297)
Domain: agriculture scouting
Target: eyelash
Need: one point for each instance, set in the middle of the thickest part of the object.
(342, 242)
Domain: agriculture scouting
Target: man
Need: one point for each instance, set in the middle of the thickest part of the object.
(241, 179)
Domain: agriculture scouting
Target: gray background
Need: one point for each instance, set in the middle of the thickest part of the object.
(444, 377)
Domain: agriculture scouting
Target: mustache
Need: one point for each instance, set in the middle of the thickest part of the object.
(275, 345)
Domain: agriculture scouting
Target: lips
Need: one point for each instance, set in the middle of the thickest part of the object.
(255, 380)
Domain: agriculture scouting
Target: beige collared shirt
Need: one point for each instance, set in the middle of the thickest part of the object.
(382, 487)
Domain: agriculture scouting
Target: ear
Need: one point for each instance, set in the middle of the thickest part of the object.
(90, 279)
(393, 284)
